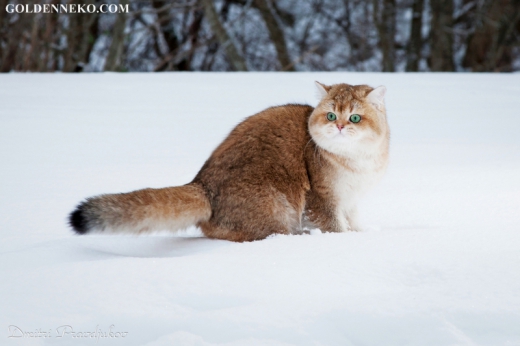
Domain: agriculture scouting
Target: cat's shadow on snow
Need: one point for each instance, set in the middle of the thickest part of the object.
(147, 246)
(106, 247)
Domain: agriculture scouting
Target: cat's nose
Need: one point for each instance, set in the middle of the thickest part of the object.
(340, 126)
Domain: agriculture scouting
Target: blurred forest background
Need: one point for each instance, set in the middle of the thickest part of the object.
(266, 35)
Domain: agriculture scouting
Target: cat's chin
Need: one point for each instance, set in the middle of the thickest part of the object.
(343, 138)
(339, 145)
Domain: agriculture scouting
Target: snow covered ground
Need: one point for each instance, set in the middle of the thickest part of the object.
(439, 263)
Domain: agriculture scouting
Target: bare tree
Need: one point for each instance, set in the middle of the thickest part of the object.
(13, 42)
(275, 34)
(3, 26)
(415, 43)
(115, 51)
(441, 36)
(497, 28)
(264, 35)
(174, 41)
(78, 34)
(236, 60)
(48, 60)
(385, 19)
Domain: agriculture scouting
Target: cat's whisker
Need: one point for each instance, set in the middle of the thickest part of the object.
(307, 144)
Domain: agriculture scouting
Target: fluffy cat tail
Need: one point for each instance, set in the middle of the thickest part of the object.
(147, 210)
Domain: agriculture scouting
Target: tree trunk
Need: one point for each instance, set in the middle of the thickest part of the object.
(415, 43)
(193, 35)
(490, 47)
(115, 52)
(441, 36)
(237, 61)
(91, 36)
(386, 27)
(32, 54)
(275, 34)
(14, 45)
(80, 39)
(4, 26)
(170, 37)
(51, 22)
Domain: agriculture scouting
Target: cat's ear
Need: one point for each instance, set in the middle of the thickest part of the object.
(377, 96)
(322, 90)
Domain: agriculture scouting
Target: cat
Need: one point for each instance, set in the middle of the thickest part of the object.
(283, 170)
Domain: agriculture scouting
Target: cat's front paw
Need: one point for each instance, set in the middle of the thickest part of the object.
(354, 225)
(356, 228)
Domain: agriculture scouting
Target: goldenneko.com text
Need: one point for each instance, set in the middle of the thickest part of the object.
(67, 8)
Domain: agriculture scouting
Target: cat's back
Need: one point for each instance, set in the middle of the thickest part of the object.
(266, 146)
(276, 130)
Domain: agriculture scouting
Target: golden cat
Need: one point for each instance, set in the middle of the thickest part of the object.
(282, 170)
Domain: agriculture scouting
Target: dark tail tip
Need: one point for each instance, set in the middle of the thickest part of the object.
(77, 220)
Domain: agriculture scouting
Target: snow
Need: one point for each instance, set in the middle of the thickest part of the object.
(438, 264)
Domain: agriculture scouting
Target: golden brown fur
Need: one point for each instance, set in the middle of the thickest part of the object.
(279, 171)
(256, 179)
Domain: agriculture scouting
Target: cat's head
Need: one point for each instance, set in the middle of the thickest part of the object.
(349, 118)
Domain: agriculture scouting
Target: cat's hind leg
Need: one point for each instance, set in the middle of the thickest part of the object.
(246, 216)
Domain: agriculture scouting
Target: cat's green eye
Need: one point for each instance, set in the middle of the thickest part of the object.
(331, 116)
(355, 118)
